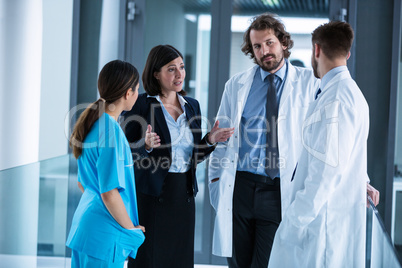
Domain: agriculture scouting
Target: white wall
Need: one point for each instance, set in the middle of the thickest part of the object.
(56, 75)
(35, 72)
(35, 67)
(20, 81)
(109, 32)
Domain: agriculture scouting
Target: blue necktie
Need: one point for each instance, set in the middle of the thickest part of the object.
(272, 153)
(318, 93)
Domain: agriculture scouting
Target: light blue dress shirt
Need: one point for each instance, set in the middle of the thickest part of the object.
(252, 151)
(181, 138)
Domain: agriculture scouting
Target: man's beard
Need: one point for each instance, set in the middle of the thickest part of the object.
(314, 64)
(271, 65)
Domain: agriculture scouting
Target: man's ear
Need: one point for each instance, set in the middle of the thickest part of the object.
(317, 50)
(348, 56)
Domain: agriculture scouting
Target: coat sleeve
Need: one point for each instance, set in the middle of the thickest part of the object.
(134, 126)
(202, 149)
(329, 136)
(224, 117)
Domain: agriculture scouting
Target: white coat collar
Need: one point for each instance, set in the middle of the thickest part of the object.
(331, 74)
(245, 82)
(288, 86)
(344, 73)
(245, 77)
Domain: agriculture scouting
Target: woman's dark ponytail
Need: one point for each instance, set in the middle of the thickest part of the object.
(115, 78)
(84, 125)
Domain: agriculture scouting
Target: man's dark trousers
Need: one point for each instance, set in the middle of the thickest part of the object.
(256, 217)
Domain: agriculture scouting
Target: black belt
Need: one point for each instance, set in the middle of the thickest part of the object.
(257, 178)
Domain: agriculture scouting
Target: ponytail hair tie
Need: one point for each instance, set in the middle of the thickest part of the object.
(102, 99)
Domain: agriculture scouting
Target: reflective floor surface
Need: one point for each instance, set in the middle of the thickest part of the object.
(13, 261)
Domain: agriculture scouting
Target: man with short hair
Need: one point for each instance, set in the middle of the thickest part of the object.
(267, 106)
(325, 223)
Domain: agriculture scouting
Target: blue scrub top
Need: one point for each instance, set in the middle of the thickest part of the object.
(105, 164)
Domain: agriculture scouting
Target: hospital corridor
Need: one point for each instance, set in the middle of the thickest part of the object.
(51, 56)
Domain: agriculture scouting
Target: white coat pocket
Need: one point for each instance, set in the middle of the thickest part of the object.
(214, 193)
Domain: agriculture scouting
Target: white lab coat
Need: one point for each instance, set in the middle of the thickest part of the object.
(325, 223)
(298, 92)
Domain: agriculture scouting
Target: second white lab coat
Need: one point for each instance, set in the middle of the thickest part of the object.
(298, 92)
(325, 223)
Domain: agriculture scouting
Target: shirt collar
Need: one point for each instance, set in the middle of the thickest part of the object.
(331, 74)
(280, 73)
(182, 100)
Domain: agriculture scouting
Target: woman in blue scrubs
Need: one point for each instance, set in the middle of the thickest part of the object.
(105, 228)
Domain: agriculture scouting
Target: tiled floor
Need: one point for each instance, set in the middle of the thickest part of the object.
(208, 266)
(13, 261)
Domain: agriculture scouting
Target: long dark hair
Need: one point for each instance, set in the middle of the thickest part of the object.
(158, 57)
(115, 78)
(263, 22)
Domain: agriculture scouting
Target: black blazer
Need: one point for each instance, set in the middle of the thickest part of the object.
(151, 168)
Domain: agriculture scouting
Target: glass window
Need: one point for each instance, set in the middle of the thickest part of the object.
(396, 226)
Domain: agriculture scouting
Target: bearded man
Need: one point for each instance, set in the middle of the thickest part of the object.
(251, 177)
(267, 105)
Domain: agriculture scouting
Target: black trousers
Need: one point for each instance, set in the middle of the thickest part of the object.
(169, 222)
(256, 217)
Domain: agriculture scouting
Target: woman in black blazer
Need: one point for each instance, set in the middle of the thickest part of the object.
(164, 131)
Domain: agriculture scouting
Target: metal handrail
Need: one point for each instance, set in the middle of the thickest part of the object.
(369, 246)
